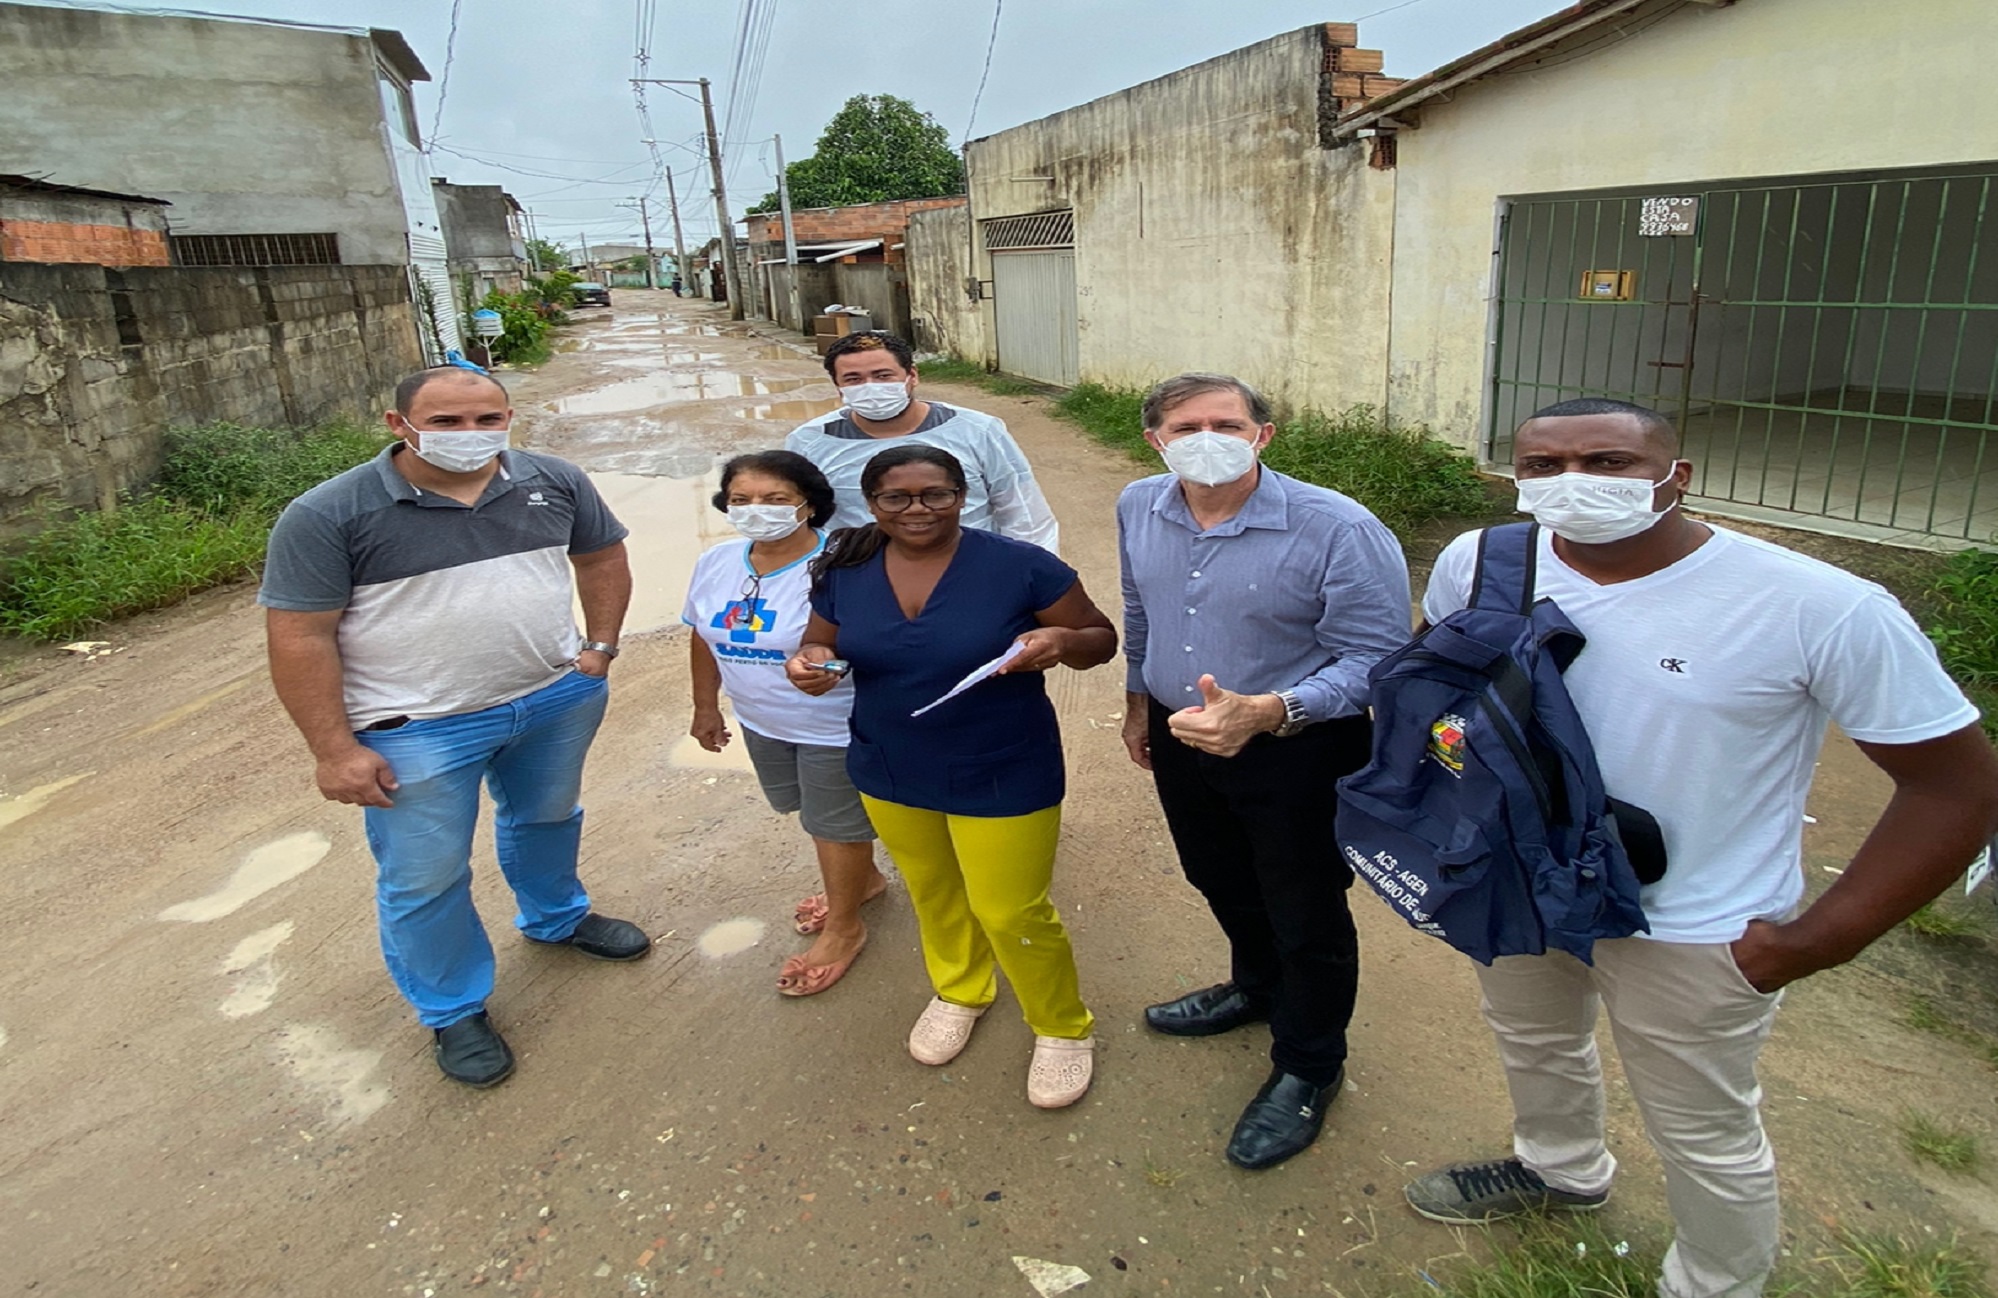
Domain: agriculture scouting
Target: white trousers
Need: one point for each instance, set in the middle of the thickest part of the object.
(1688, 1029)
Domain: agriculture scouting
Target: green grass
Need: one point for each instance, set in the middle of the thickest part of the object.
(1579, 1258)
(1923, 1015)
(1961, 609)
(1401, 473)
(1939, 920)
(949, 369)
(1875, 1266)
(1950, 1148)
(204, 522)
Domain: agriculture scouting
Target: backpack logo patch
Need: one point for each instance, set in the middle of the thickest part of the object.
(1446, 743)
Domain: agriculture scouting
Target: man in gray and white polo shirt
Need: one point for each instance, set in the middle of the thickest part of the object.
(421, 638)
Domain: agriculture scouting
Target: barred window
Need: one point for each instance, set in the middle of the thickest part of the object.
(256, 249)
(1040, 230)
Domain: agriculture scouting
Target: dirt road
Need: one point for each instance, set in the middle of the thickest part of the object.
(210, 1087)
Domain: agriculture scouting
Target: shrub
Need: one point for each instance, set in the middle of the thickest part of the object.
(1962, 607)
(525, 341)
(80, 572)
(205, 522)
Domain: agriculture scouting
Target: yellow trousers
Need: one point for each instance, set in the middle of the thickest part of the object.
(980, 889)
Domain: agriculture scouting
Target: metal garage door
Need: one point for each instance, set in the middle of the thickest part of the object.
(1033, 290)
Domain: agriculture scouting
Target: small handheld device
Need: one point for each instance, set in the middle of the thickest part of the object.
(836, 666)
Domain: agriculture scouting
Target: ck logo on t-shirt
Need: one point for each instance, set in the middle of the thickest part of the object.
(1677, 666)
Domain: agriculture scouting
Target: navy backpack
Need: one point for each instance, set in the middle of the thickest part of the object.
(1482, 818)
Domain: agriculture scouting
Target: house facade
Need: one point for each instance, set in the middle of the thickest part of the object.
(853, 255)
(276, 143)
(1701, 205)
(484, 239)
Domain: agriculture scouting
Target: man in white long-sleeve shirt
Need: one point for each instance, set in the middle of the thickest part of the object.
(876, 375)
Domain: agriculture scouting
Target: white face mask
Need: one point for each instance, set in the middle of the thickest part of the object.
(1592, 509)
(462, 452)
(765, 522)
(1209, 458)
(877, 401)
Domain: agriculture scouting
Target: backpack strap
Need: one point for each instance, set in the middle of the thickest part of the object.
(1508, 558)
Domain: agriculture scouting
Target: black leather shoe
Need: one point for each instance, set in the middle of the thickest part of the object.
(1211, 1010)
(1282, 1121)
(604, 938)
(471, 1051)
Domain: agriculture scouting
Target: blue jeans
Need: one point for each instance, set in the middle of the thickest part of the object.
(530, 754)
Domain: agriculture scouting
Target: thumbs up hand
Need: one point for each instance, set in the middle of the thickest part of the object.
(1223, 722)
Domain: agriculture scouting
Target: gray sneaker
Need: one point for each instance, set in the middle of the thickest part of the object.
(1478, 1192)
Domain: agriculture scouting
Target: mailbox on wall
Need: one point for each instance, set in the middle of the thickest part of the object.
(1608, 285)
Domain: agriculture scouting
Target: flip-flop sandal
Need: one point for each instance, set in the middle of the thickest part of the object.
(797, 978)
(809, 916)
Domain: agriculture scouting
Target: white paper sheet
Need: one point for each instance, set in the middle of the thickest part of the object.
(988, 670)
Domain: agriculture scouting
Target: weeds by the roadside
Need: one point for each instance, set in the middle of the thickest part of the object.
(1402, 474)
(218, 468)
(1158, 1174)
(204, 523)
(949, 369)
(1580, 1258)
(1876, 1266)
(81, 572)
(1962, 607)
(1924, 1016)
(1938, 919)
(1929, 1139)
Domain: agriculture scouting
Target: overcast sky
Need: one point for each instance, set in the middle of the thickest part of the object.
(544, 87)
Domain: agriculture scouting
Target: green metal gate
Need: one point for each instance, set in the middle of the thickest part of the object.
(1829, 350)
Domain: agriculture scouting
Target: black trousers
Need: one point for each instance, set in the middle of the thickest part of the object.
(1254, 833)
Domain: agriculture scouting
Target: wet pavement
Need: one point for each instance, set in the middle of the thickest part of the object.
(652, 442)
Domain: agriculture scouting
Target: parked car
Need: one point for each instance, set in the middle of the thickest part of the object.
(588, 294)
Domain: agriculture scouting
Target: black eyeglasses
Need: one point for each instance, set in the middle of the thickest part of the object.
(752, 591)
(933, 498)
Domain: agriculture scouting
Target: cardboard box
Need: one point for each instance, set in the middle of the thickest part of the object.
(839, 326)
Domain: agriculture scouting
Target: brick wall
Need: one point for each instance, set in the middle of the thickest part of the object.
(96, 363)
(888, 222)
(70, 242)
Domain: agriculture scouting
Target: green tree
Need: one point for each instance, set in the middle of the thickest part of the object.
(875, 148)
(546, 256)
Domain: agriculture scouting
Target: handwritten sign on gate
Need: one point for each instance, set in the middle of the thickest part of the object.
(1662, 217)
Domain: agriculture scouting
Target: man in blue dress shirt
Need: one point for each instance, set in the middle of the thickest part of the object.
(1254, 606)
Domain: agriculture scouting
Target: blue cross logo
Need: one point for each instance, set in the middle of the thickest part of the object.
(743, 620)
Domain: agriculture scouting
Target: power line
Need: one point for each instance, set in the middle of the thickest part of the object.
(991, 42)
(444, 82)
(616, 177)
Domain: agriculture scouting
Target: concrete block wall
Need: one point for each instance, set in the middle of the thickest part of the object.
(96, 364)
(944, 317)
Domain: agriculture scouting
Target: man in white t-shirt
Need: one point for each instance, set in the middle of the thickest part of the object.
(1714, 662)
(876, 375)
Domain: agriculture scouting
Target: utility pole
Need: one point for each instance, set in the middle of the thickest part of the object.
(679, 243)
(645, 220)
(651, 266)
(730, 274)
(790, 235)
(584, 236)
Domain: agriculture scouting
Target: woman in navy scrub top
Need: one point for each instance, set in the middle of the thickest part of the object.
(967, 796)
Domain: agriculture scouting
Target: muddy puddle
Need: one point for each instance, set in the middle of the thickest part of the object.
(667, 387)
(671, 522)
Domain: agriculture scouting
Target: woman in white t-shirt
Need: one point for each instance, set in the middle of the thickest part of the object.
(748, 604)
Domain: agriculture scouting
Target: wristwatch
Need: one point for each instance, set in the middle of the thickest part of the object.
(1294, 717)
(607, 650)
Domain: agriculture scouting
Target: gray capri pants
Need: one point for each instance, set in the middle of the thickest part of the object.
(811, 780)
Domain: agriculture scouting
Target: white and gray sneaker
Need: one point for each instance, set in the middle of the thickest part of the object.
(1478, 1192)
